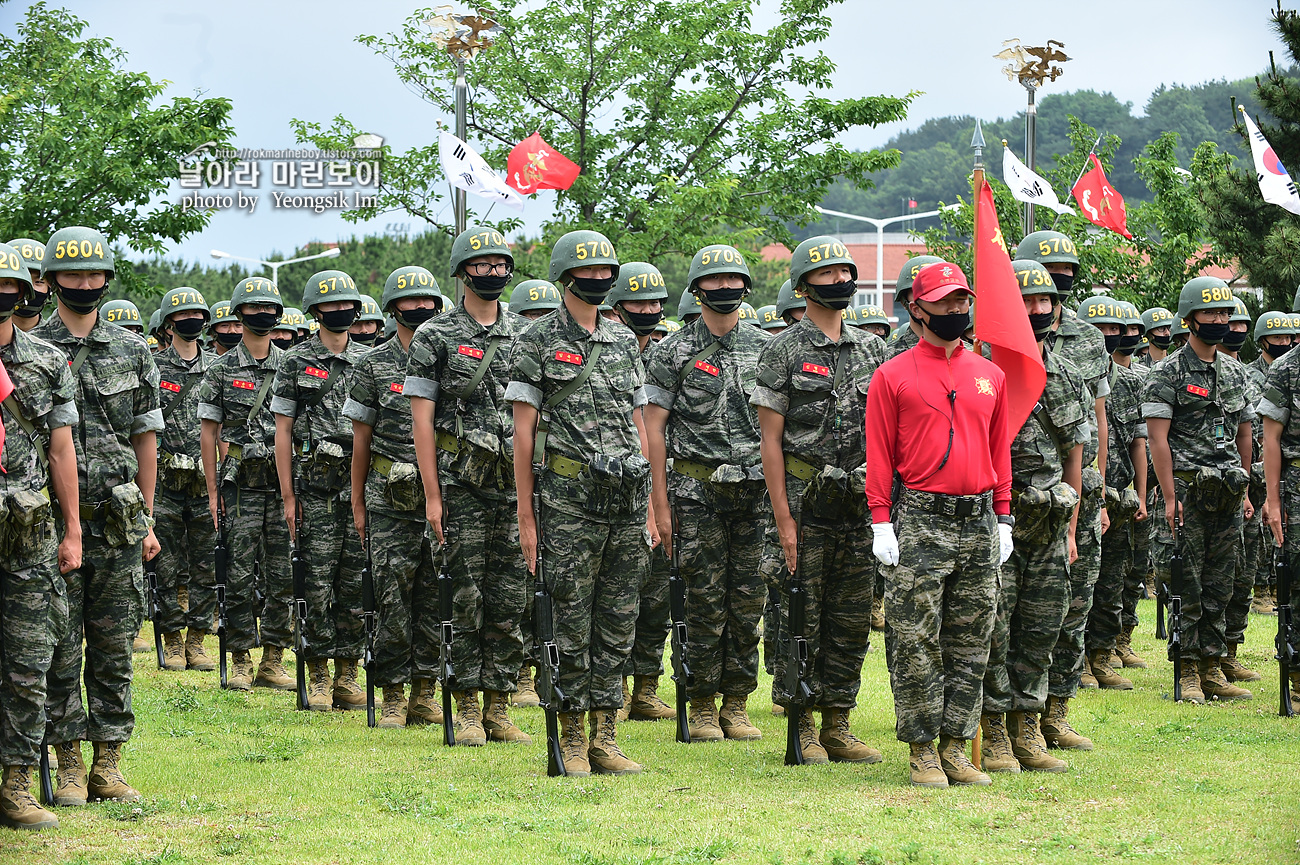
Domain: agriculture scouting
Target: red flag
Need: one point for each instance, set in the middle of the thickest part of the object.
(1000, 317)
(6, 388)
(1100, 203)
(533, 164)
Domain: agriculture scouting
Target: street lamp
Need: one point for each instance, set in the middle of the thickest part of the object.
(880, 236)
(276, 265)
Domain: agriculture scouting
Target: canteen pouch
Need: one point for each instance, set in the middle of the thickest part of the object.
(181, 473)
(402, 488)
(257, 473)
(1091, 483)
(477, 462)
(732, 487)
(837, 491)
(1033, 509)
(1235, 482)
(26, 518)
(125, 519)
(327, 469)
(615, 485)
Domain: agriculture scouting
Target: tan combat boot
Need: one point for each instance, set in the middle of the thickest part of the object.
(646, 705)
(1057, 731)
(1124, 648)
(1265, 601)
(1295, 687)
(71, 779)
(239, 676)
(526, 694)
(1190, 682)
(1087, 680)
(1105, 674)
(1234, 670)
(840, 743)
(956, 765)
(173, 652)
(271, 672)
(625, 711)
(196, 656)
(573, 745)
(778, 710)
(469, 719)
(926, 771)
(393, 713)
(1215, 684)
(348, 693)
(809, 743)
(496, 719)
(1028, 745)
(603, 753)
(703, 721)
(424, 707)
(878, 614)
(18, 808)
(106, 781)
(996, 751)
(734, 720)
(318, 686)
(140, 645)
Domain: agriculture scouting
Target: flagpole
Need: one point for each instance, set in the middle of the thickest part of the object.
(1031, 133)
(977, 184)
(1083, 169)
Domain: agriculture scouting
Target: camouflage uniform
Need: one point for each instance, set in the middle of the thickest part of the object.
(593, 521)
(183, 526)
(117, 397)
(1124, 424)
(257, 531)
(322, 465)
(475, 438)
(33, 595)
(825, 442)
(718, 495)
(1035, 589)
(906, 339)
(1212, 523)
(406, 587)
(1085, 348)
(652, 618)
(1281, 402)
(1255, 559)
(1135, 583)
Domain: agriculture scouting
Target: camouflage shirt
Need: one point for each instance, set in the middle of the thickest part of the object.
(905, 339)
(1200, 399)
(179, 397)
(117, 397)
(302, 374)
(1057, 423)
(824, 405)
(1084, 347)
(230, 387)
(1256, 375)
(711, 420)
(376, 399)
(46, 396)
(1281, 401)
(1124, 423)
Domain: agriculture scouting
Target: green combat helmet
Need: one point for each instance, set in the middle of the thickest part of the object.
(1100, 309)
(911, 267)
(1239, 313)
(123, 313)
(1274, 324)
(689, 308)
(584, 249)
(1177, 329)
(77, 248)
(534, 298)
(31, 251)
(787, 300)
(257, 289)
(768, 318)
(1033, 278)
(716, 260)
(370, 310)
(1205, 292)
(14, 266)
(813, 254)
(219, 311)
(850, 315)
(638, 280)
(1156, 316)
(476, 241)
(1048, 247)
(155, 320)
(369, 314)
(409, 281)
(874, 319)
(329, 286)
(181, 299)
(749, 315)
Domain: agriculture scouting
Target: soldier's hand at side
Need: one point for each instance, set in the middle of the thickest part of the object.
(433, 514)
(528, 538)
(290, 517)
(1173, 513)
(1105, 521)
(1071, 547)
(151, 547)
(359, 518)
(1006, 545)
(69, 554)
(652, 529)
(884, 545)
(1141, 514)
(1247, 509)
(788, 531)
(664, 523)
(1273, 517)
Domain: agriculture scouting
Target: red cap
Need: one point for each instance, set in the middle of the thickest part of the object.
(938, 280)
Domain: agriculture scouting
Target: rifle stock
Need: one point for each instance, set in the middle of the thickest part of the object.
(553, 699)
(796, 662)
(298, 565)
(47, 783)
(151, 582)
(446, 674)
(368, 614)
(1174, 592)
(683, 678)
(1287, 653)
(221, 560)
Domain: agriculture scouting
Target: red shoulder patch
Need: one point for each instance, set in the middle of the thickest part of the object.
(470, 351)
(1199, 391)
(569, 357)
(171, 386)
(395, 387)
(317, 371)
(245, 385)
(705, 366)
(816, 369)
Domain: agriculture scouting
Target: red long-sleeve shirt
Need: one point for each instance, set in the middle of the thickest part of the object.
(908, 411)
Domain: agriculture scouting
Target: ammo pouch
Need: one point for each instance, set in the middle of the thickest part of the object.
(402, 487)
(257, 473)
(1092, 486)
(125, 520)
(25, 519)
(1217, 489)
(1040, 514)
(1121, 505)
(327, 469)
(838, 490)
(181, 473)
(616, 485)
(477, 461)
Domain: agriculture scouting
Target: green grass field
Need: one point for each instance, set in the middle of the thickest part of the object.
(231, 777)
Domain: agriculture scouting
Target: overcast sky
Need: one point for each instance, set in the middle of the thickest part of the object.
(282, 60)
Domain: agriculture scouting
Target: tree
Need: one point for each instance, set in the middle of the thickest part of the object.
(682, 117)
(83, 141)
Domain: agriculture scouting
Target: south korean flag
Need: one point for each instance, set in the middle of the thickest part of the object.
(1275, 183)
(466, 170)
(1028, 186)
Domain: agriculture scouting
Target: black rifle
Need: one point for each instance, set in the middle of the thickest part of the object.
(796, 661)
(221, 557)
(299, 568)
(1162, 604)
(47, 783)
(553, 700)
(369, 613)
(683, 678)
(446, 674)
(1173, 592)
(1288, 655)
(151, 582)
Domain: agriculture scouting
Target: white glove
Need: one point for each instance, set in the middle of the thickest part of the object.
(885, 546)
(1005, 542)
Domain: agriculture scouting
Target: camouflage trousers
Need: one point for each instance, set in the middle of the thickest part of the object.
(256, 533)
(1135, 587)
(1032, 601)
(1291, 530)
(1117, 568)
(33, 617)
(1210, 544)
(594, 568)
(1067, 657)
(188, 540)
(647, 658)
(940, 604)
(1259, 565)
(1246, 577)
(334, 557)
(490, 586)
(720, 550)
(406, 598)
(105, 609)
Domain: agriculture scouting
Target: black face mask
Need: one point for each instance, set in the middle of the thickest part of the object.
(82, 301)
(1235, 340)
(1042, 322)
(948, 327)
(365, 338)
(642, 323)
(33, 309)
(1276, 351)
(1212, 333)
(723, 301)
(1161, 342)
(188, 329)
(338, 320)
(490, 287)
(592, 291)
(837, 295)
(285, 343)
(1129, 344)
(413, 318)
(1112, 342)
(230, 340)
(1063, 282)
(261, 323)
